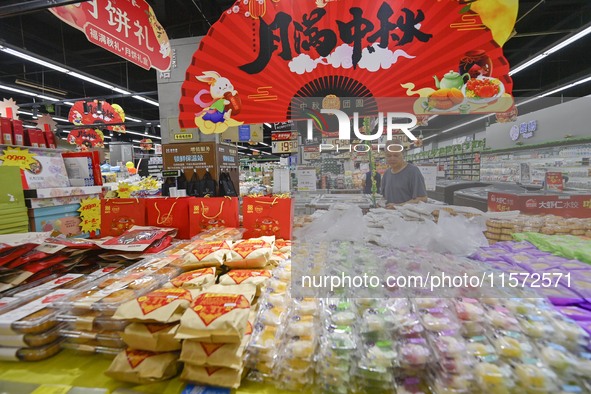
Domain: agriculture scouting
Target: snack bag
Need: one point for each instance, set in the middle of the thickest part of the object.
(251, 253)
(216, 376)
(152, 337)
(195, 280)
(216, 317)
(159, 306)
(228, 355)
(269, 215)
(237, 277)
(141, 367)
(214, 212)
(206, 254)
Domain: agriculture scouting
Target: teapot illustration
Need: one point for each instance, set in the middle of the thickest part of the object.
(450, 80)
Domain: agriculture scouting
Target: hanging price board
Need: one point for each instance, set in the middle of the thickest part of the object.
(284, 146)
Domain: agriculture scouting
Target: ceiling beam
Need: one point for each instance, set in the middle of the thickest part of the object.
(21, 7)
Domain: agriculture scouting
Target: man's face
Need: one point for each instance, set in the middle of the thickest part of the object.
(394, 158)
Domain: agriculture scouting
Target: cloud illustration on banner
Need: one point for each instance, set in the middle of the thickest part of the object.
(372, 59)
(376, 58)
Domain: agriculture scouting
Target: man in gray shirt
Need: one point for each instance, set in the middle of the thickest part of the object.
(403, 182)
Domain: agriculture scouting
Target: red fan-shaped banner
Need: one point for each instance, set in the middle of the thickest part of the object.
(91, 112)
(443, 56)
(86, 139)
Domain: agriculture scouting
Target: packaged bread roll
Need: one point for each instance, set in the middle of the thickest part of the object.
(196, 279)
(248, 290)
(205, 254)
(141, 367)
(251, 253)
(282, 245)
(229, 355)
(216, 317)
(237, 277)
(152, 337)
(159, 306)
(215, 376)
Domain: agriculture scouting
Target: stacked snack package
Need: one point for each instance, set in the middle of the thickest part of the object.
(217, 326)
(263, 349)
(502, 229)
(88, 312)
(29, 327)
(215, 330)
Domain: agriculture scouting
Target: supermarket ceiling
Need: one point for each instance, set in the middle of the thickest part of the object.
(24, 24)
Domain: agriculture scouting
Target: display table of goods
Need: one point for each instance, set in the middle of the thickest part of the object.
(219, 310)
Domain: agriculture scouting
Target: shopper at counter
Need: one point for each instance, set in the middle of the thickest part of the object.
(403, 182)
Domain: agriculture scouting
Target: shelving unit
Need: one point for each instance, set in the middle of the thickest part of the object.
(459, 162)
(529, 166)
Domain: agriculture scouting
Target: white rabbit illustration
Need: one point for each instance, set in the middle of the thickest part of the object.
(218, 88)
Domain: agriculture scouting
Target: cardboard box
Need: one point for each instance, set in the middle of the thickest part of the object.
(64, 220)
(31, 138)
(50, 138)
(63, 192)
(18, 132)
(6, 131)
(47, 170)
(40, 136)
(55, 201)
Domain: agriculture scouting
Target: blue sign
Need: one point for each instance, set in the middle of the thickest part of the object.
(196, 389)
(244, 132)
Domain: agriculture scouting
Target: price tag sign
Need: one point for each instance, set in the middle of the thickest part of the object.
(18, 157)
(90, 214)
(284, 146)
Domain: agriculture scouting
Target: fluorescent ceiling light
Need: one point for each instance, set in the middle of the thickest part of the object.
(268, 124)
(119, 90)
(91, 80)
(132, 119)
(38, 60)
(570, 85)
(141, 134)
(548, 93)
(553, 49)
(147, 100)
(47, 98)
(71, 104)
(60, 119)
(11, 89)
(33, 59)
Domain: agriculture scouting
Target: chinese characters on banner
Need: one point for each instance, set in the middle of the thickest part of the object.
(564, 205)
(128, 28)
(258, 58)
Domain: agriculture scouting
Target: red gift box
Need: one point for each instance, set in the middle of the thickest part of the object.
(6, 131)
(120, 214)
(268, 215)
(172, 212)
(210, 212)
(18, 132)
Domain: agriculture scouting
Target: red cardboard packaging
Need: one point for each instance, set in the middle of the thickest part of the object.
(50, 138)
(6, 131)
(18, 132)
(31, 138)
(41, 138)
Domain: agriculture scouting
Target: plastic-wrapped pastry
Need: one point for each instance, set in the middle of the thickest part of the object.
(414, 353)
(494, 379)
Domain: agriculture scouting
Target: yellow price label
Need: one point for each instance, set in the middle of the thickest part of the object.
(52, 389)
(17, 157)
(124, 190)
(90, 214)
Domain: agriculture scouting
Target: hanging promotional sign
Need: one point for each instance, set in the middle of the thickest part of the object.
(91, 112)
(442, 57)
(127, 28)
